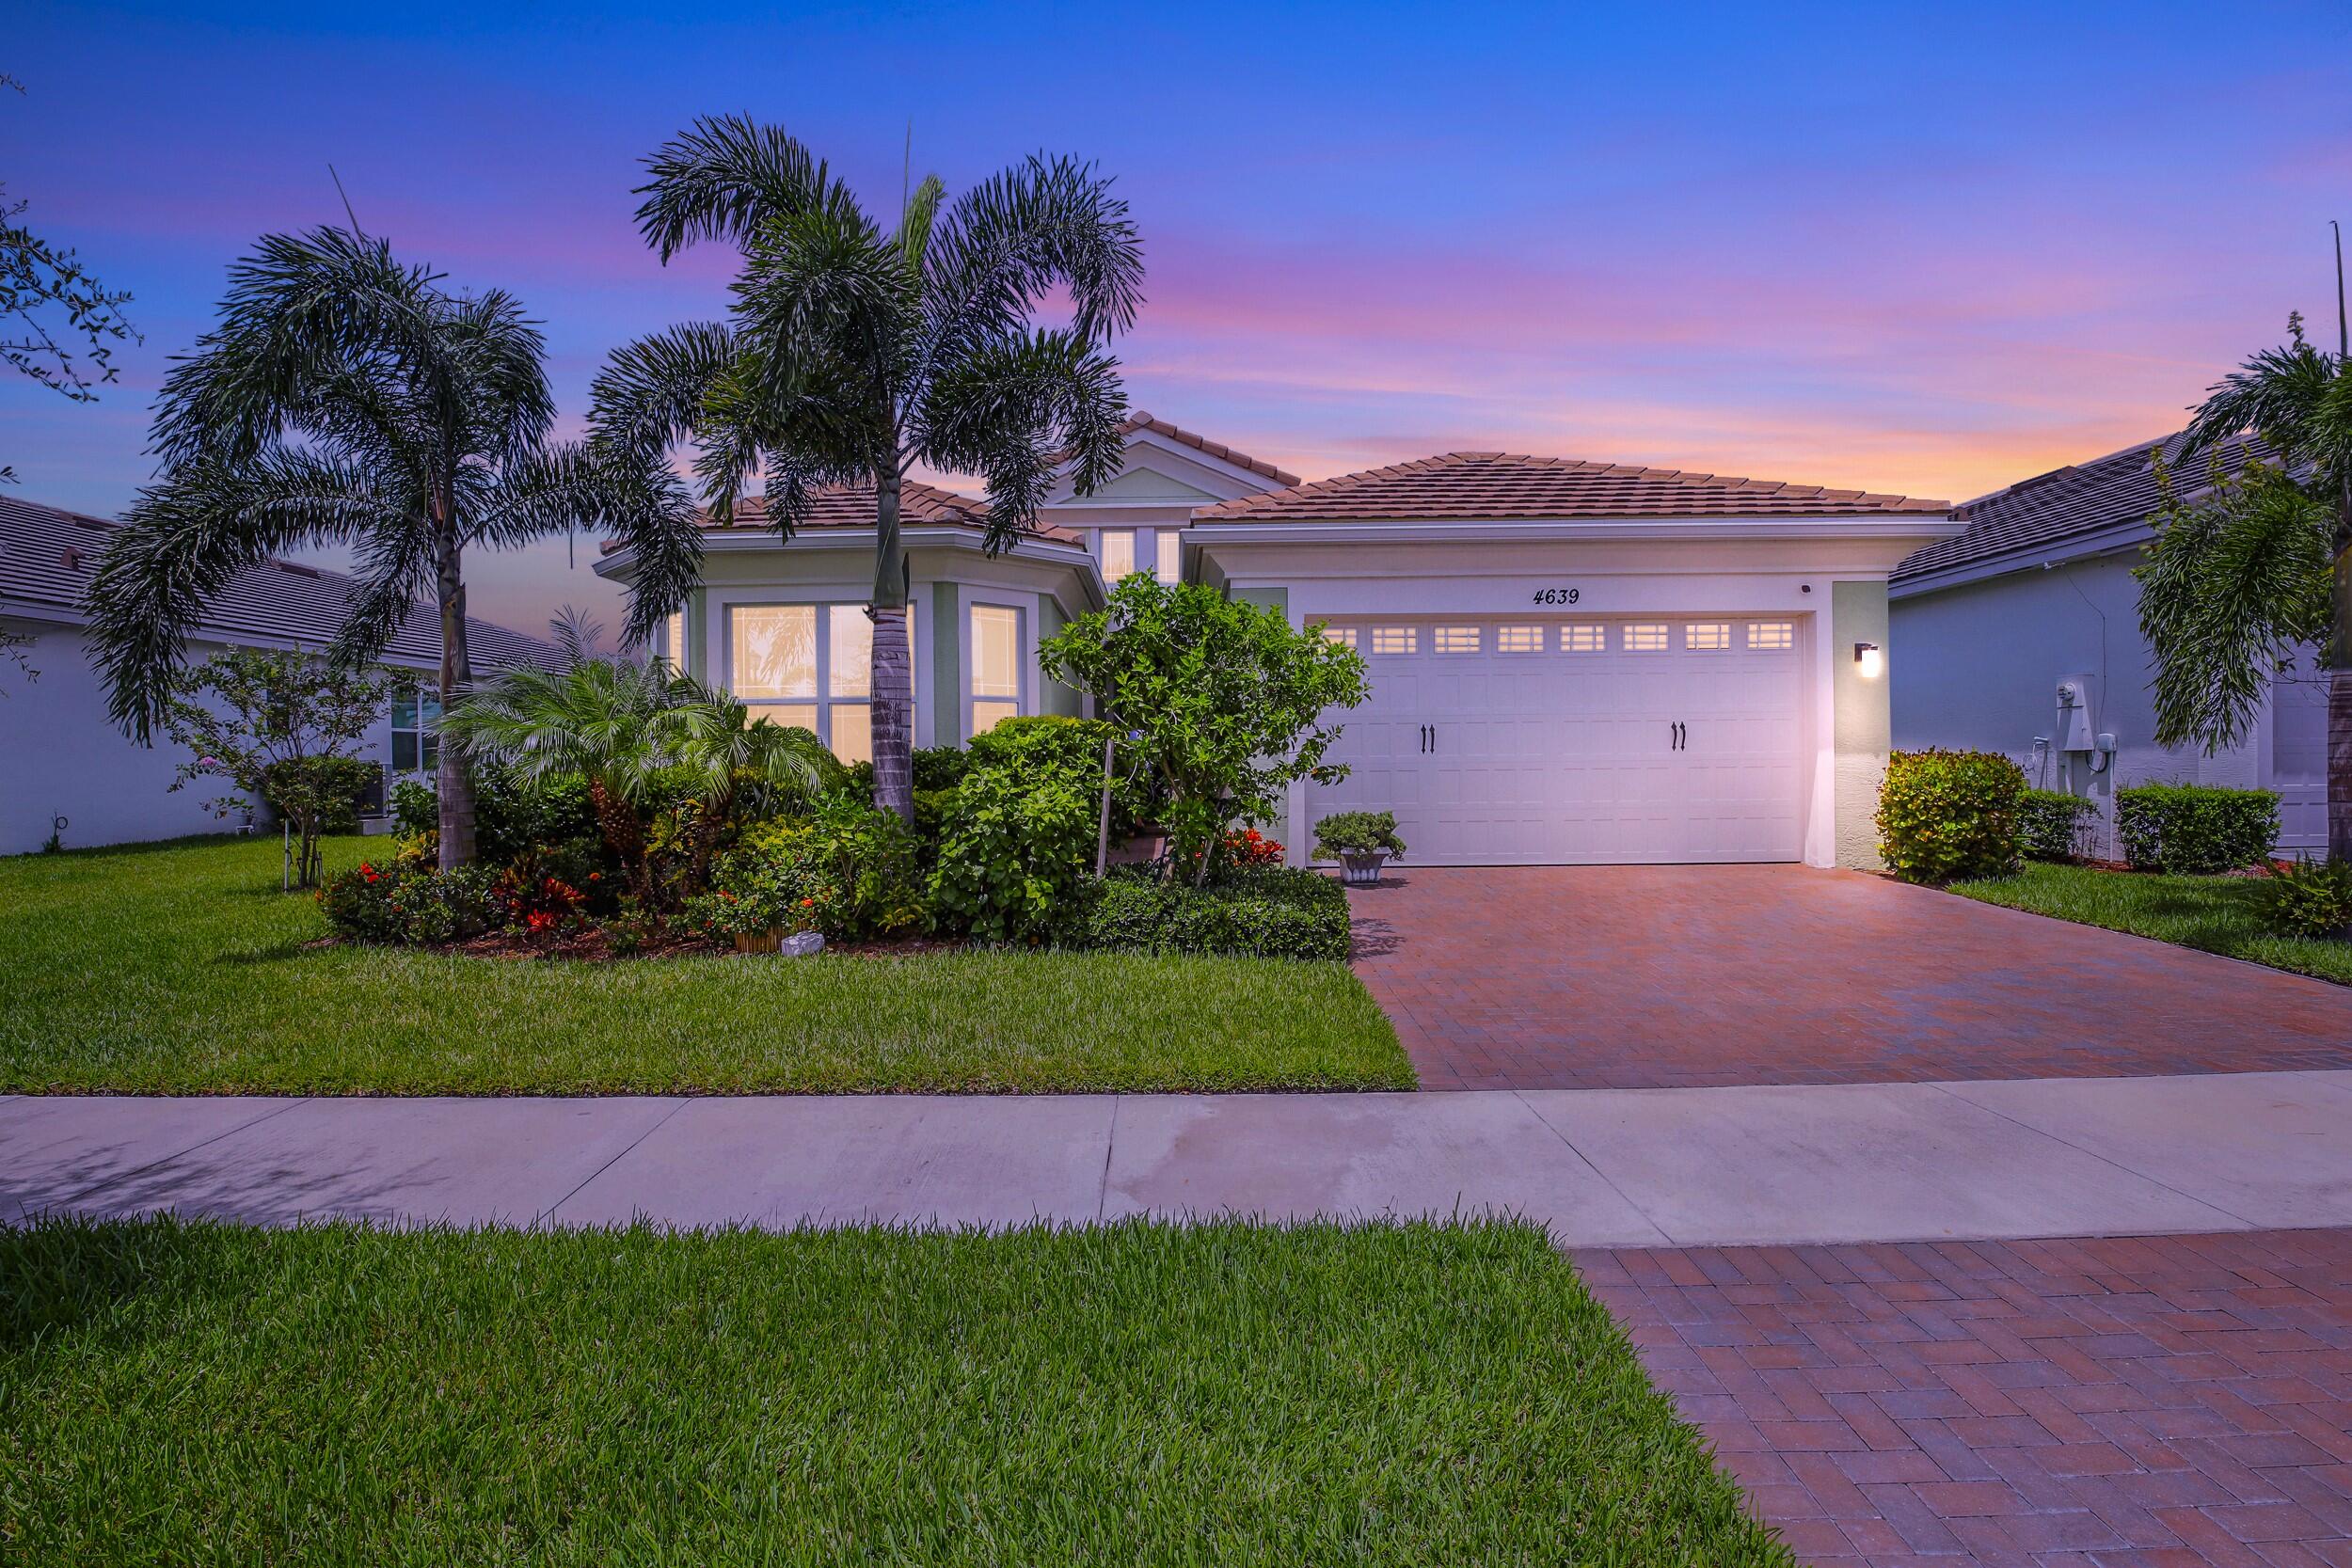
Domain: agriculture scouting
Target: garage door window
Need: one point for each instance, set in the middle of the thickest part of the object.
(1519, 640)
(1585, 639)
(1343, 636)
(1708, 636)
(1645, 637)
(1396, 640)
(1457, 640)
(1773, 634)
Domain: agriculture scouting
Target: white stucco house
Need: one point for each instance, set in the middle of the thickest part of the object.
(2021, 635)
(1569, 662)
(66, 768)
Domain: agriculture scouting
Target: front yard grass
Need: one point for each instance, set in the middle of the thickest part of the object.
(1220, 1394)
(2218, 914)
(182, 968)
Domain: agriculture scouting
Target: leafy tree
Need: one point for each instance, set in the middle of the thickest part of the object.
(637, 733)
(853, 353)
(2236, 579)
(347, 398)
(282, 728)
(51, 302)
(1223, 700)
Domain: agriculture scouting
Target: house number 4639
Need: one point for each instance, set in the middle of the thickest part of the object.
(1558, 596)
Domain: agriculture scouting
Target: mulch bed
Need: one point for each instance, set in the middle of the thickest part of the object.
(590, 946)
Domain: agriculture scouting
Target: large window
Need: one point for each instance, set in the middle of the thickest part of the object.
(781, 669)
(1172, 548)
(996, 678)
(416, 715)
(1119, 554)
(674, 640)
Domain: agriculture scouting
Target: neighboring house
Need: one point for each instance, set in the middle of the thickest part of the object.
(2022, 636)
(65, 767)
(1569, 662)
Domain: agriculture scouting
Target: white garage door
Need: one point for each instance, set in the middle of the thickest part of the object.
(1545, 743)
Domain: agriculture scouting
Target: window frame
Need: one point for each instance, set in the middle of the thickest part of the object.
(825, 700)
(1167, 555)
(424, 734)
(971, 696)
(1127, 537)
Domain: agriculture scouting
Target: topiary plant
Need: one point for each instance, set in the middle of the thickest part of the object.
(1357, 832)
(1949, 816)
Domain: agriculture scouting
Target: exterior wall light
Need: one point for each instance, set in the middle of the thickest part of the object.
(1871, 660)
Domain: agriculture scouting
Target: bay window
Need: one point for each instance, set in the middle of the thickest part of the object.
(809, 665)
(995, 677)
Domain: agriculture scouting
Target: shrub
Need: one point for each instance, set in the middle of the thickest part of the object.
(1356, 832)
(2195, 829)
(1948, 815)
(1074, 745)
(360, 904)
(2310, 898)
(405, 903)
(941, 767)
(1018, 839)
(1270, 913)
(861, 866)
(511, 816)
(330, 787)
(2054, 825)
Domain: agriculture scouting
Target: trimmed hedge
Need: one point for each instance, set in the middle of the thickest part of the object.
(2195, 829)
(1947, 817)
(2053, 825)
(1275, 912)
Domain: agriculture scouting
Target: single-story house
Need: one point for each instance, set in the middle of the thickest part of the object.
(2021, 635)
(65, 769)
(1569, 662)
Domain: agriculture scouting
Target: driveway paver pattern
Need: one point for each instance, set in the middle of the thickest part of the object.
(2161, 1401)
(1682, 977)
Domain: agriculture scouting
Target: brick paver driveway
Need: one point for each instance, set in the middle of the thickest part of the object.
(1675, 977)
(2170, 1401)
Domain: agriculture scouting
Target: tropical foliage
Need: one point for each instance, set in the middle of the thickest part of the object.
(347, 398)
(856, 350)
(1947, 815)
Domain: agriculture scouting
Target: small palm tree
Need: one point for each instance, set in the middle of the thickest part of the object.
(636, 732)
(854, 352)
(2235, 583)
(344, 398)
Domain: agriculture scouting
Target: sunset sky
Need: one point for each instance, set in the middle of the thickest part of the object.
(1932, 256)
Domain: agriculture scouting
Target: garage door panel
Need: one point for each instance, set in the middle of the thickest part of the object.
(1568, 756)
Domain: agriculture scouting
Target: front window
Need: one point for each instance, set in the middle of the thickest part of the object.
(1172, 548)
(416, 715)
(1119, 554)
(674, 640)
(783, 671)
(995, 694)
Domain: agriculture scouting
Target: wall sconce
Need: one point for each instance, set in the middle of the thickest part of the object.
(1871, 658)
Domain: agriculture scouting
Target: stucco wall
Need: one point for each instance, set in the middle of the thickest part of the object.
(1863, 722)
(1976, 666)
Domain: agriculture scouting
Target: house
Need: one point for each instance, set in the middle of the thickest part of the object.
(2022, 636)
(66, 768)
(1569, 662)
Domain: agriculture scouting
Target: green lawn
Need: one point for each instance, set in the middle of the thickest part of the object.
(182, 968)
(2219, 914)
(1215, 1395)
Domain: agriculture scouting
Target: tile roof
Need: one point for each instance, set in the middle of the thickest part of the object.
(48, 557)
(1141, 421)
(2045, 514)
(1485, 486)
(852, 506)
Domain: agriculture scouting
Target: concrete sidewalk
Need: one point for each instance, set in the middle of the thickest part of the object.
(1686, 1168)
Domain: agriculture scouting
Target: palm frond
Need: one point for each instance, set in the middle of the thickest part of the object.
(1013, 411)
(723, 180)
(1007, 243)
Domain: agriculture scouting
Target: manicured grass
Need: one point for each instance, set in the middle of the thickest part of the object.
(183, 969)
(2219, 914)
(1226, 1394)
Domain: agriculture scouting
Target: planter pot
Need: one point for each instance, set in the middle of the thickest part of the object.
(1361, 867)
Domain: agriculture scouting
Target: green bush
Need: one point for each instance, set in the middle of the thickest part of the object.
(2054, 825)
(860, 866)
(511, 817)
(1357, 832)
(1017, 841)
(1276, 913)
(336, 781)
(360, 904)
(2195, 829)
(398, 903)
(2310, 898)
(1076, 745)
(939, 768)
(1949, 816)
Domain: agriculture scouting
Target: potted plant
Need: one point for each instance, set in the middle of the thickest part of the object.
(1361, 842)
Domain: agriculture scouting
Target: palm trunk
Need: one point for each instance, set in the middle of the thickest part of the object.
(892, 671)
(456, 784)
(2340, 765)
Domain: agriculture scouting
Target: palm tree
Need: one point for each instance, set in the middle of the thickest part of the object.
(2235, 583)
(634, 732)
(854, 353)
(346, 398)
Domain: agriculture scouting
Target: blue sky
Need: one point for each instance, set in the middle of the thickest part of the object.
(1931, 253)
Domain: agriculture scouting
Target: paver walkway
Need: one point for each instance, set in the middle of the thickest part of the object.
(1605, 1168)
(1675, 977)
(2093, 1404)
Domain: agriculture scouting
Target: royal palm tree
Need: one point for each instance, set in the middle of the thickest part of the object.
(346, 398)
(2238, 581)
(634, 732)
(852, 353)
